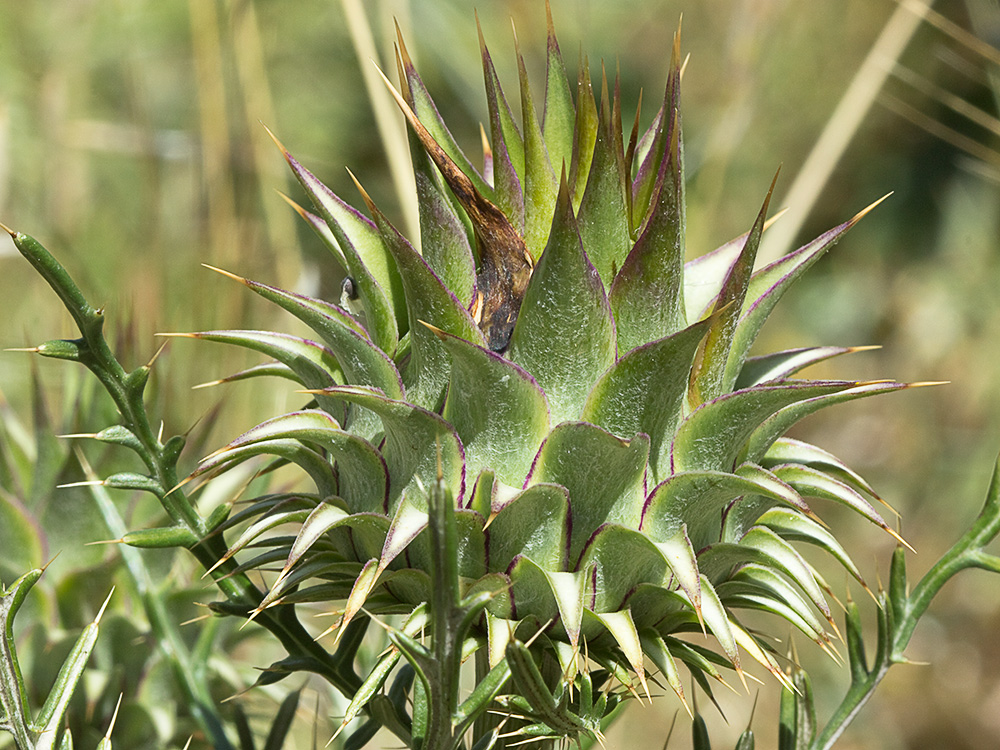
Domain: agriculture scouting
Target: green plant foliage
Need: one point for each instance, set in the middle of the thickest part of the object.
(541, 440)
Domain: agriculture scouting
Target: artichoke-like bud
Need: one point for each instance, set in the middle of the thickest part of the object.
(615, 456)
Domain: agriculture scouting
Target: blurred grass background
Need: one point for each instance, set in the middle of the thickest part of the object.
(130, 146)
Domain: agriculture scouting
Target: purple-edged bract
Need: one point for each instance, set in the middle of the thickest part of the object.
(616, 458)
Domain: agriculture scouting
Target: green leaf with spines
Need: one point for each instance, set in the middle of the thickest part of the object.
(426, 111)
(266, 503)
(585, 133)
(369, 264)
(507, 145)
(429, 301)
(696, 501)
(497, 409)
(603, 474)
(541, 184)
(622, 628)
(644, 392)
(705, 275)
(160, 538)
(371, 686)
(531, 593)
(712, 436)
(418, 444)
(815, 483)
(647, 295)
(533, 524)
(768, 285)
(602, 216)
(789, 450)
(713, 375)
(794, 527)
(314, 364)
(323, 517)
(362, 477)
(444, 240)
(763, 582)
(715, 616)
(781, 420)
(655, 648)
(560, 114)
(742, 515)
(763, 546)
(622, 559)
(564, 335)
(261, 526)
(264, 369)
(360, 360)
(51, 717)
(784, 364)
(661, 149)
(755, 600)
(326, 565)
(314, 464)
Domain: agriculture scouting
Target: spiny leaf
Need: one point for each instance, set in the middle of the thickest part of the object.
(603, 219)
(540, 180)
(793, 526)
(508, 145)
(712, 375)
(497, 409)
(565, 334)
(813, 482)
(430, 301)
(697, 501)
(585, 129)
(622, 559)
(603, 473)
(424, 110)
(656, 649)
(784, 364)
(534, 524)
(368, 262)
(789, 450)
(314, 464)
(444, 239)
(361, 469)
(52, 715)
(778, 423)
(418, 444)
(661, 152)
(643, 392)
(560, 114)
(769, 284)
(712, 436)
(314, 364)
(362, 362)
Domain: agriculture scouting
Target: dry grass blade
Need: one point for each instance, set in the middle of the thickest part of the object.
(949, 135)
(392, 130)
(841, 128)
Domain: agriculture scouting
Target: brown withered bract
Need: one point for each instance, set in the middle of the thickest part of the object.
(504, 264)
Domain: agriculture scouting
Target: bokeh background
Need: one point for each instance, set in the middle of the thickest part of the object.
(130, 145)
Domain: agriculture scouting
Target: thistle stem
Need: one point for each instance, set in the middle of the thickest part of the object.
(126, 390)
(444, 671)
(901, 612)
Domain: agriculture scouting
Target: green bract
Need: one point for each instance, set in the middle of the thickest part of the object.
(584, 396)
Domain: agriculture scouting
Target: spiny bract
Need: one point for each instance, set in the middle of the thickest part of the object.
(615, 456)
